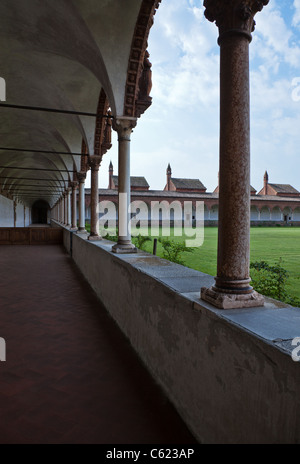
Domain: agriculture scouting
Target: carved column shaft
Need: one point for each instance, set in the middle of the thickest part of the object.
(235, 20)
(124, 128)
(65, 213)
(94, 162)
(69, 207)
(81, 202)
(74, 206)
(15, 212)
(234, 182)
(61, 213)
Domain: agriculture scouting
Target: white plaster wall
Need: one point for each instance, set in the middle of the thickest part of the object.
(6, 212)
(214, 213)
(27, 217)
(20, 215)
(265, 214)
(296, 214)
(254, 213)
(276, 214)
(206, 213)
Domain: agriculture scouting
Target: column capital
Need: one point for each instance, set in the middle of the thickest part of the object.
(73, 185)
(94, 162)
(81, 176)
(233, 16)
(124, 127)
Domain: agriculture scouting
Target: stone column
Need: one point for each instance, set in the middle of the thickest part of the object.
(69, 190)
(15, 212)
(64, 208)
(124, 127)
(94, 162)
(74, 186)
(235, 20)
(81, 206)
(60, 217)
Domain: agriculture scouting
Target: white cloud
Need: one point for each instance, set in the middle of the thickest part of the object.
(296, 17)
(182, 125)
(274, 39)
(192, 71)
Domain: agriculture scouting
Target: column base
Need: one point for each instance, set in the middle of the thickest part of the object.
(231, 300)
(74, 229)
(94, 238)
(123, 248)
(82, 231)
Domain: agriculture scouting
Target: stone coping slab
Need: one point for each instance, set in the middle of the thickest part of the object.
(274, 322)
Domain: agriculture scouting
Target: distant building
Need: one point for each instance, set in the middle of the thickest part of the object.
(136, 183)
(183, 185)
(273, 204)
(282, 190)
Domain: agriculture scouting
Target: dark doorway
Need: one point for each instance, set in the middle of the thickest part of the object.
(39, 212)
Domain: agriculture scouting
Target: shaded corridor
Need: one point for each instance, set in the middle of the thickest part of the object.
(70, 375)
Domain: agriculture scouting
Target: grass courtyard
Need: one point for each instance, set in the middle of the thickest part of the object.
(267, 243)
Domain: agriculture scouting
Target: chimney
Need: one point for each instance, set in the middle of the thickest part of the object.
(169, 174)
(111, 173)
(266, 180)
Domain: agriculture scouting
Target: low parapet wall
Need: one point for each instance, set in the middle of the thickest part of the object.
(230, 374)
(30, 236)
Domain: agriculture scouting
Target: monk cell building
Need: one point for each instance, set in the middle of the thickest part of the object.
(274, 204)
(105, 343)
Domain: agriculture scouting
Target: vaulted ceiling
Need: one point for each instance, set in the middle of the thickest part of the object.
(56, 56)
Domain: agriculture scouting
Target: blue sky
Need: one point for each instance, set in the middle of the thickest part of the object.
(182, 125)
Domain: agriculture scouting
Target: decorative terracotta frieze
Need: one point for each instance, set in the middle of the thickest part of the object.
(138, 84)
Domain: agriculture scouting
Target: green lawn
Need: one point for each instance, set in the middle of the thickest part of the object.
(267, 243)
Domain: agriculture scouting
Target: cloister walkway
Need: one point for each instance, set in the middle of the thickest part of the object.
(70, 375)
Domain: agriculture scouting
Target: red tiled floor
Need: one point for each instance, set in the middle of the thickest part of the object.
(70, 375)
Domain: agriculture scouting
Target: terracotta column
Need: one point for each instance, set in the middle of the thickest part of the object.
(81, 202)
(74, 186)
(235, 20)
(124, 127)
(94, 162)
